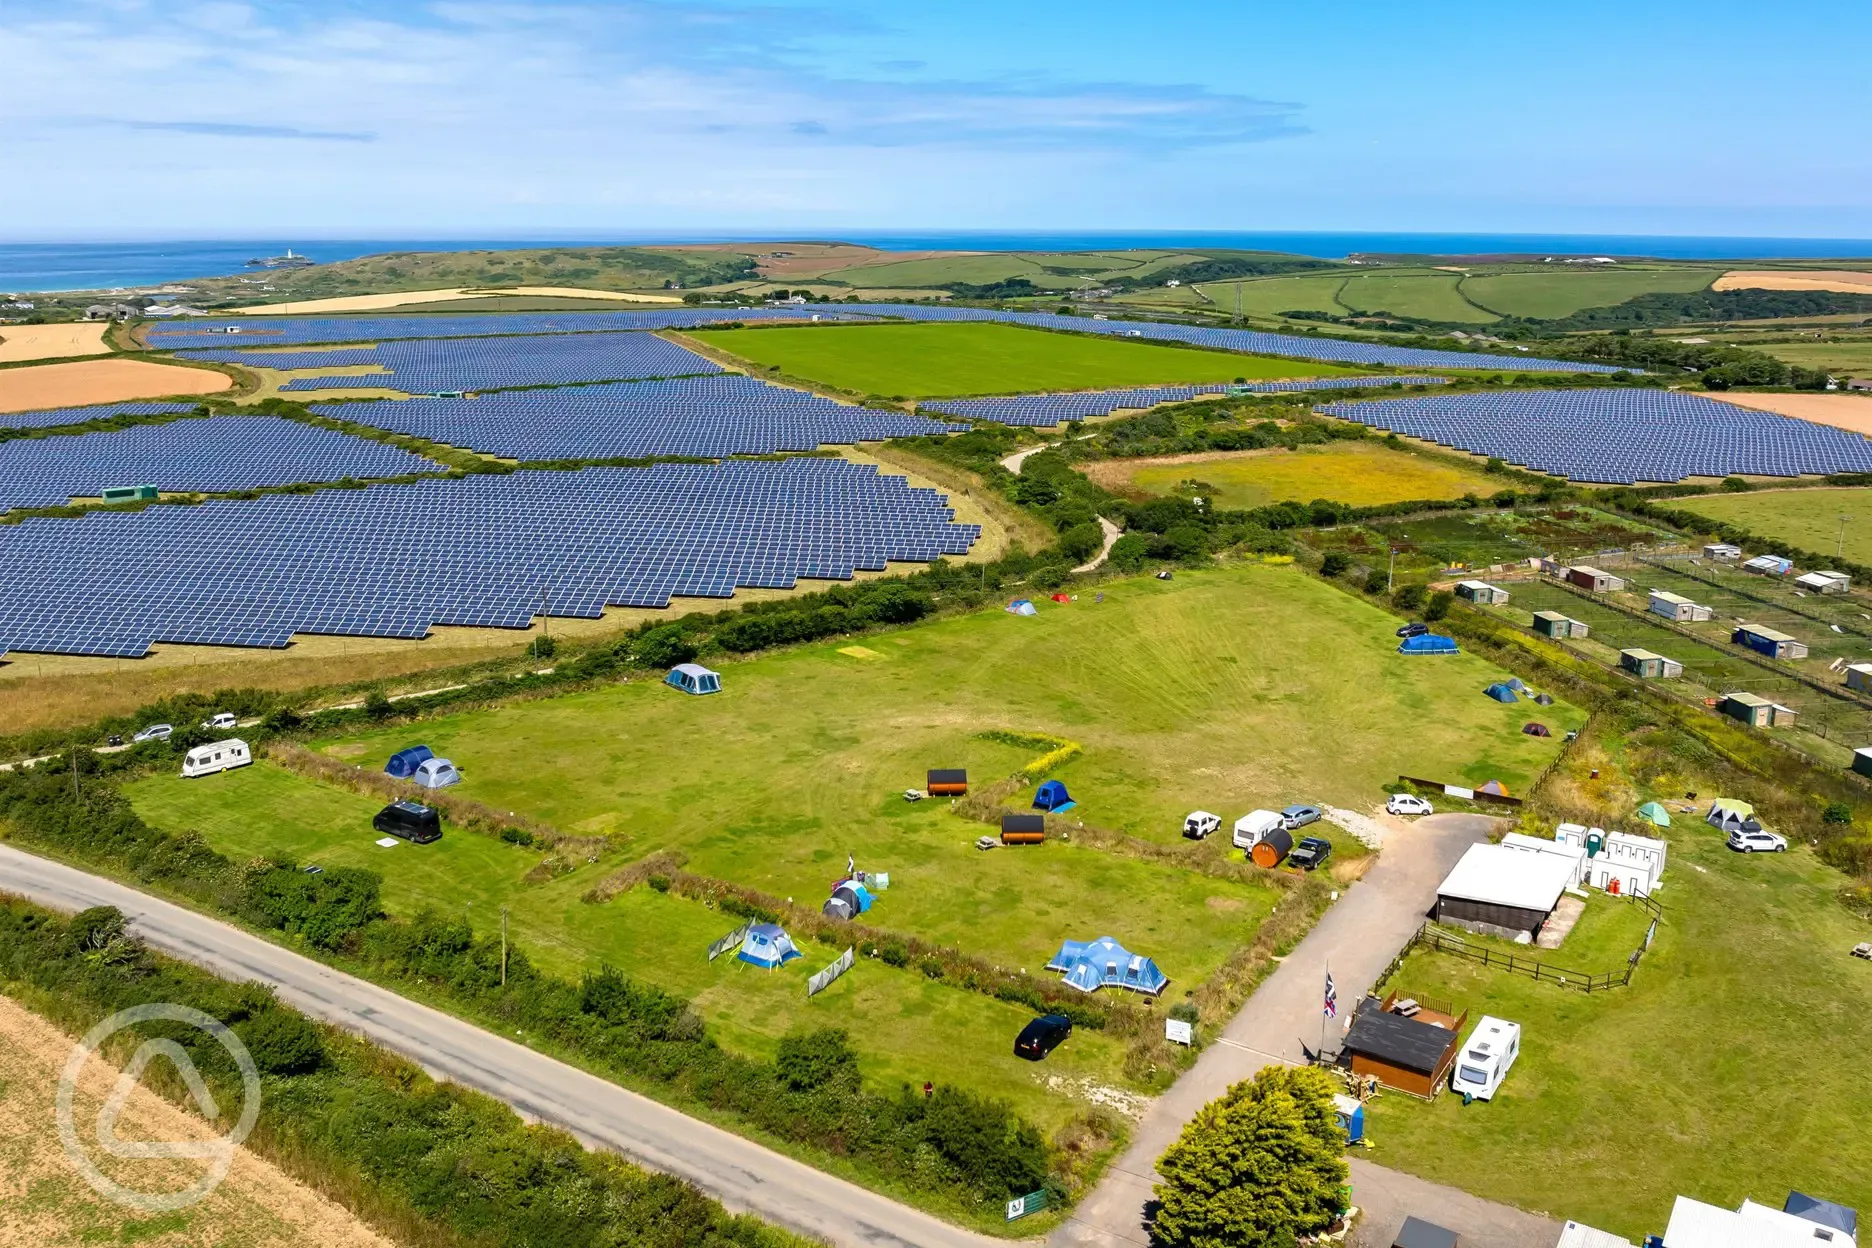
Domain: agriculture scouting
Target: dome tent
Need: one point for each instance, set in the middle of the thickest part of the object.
(1501, 693)
(1021, 606)
(435, 773)
(1052, 796)
(849, 899)
(1534, 729)
(767, 946)
(1652, 812)
(404, 762)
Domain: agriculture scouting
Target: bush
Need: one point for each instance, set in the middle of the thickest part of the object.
(323, 909)
(1409, 597)
(664, 647)
(377, 705)
(1837, 813)
(808, 1060)
(282, 1042)
(1439, 605)
(543, 647)
(1082, 541)
(1335, 563)
(1376, 581)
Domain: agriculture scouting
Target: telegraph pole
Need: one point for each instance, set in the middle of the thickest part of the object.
(503, 946)
(1391, 574)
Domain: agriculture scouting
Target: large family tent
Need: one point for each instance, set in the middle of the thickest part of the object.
(694, 678)
(1020, 606)
(849, 899)
(1104, 963)
(767, 946)
(1726, 814)
(403, 763)
(1428, 643)
(1653, 813)
(1501, 693)
(1052, 796)
(435, 773)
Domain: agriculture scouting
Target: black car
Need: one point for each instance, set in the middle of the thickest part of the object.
(115, 739)
(1416, 628)
(1310, 853)
(410, 820)
(1042, 1036)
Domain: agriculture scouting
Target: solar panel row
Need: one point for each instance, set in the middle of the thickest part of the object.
(52, 417)
(209, 454)
(395, 560)
(1053, 409)
(295, 330)
(1619, 436)
(727, 414)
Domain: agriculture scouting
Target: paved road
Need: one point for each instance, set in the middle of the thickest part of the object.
(1356, 939)
(742, 1175)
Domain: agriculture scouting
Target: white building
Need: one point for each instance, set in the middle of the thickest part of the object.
(1677, 607)
(1574, 854)
(1694, 1224)
(1722, 552)
(1482, 592)
(1859, 677)
(1824, 582)
(1635, 863)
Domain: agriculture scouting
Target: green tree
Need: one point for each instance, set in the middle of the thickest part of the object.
(815, 1059)
(1409, 597)
(1259, 1167)
(1439, 605)
(1335, 563)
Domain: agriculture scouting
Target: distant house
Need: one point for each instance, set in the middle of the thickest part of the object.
(1769, 641)
(1554, 624)
(1403, 1045)
(1481, 592)
(111, 312)
(1802, 1222)
(1496, 890)
(1859, 677)
(1722, 552)
(1769, 565)
(1757, 712)
(1593, 580)
(1824, 582)
(1649, 665)
(1679, 608)
(1859, 383)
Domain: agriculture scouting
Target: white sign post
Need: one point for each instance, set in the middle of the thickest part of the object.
(1179, 1032)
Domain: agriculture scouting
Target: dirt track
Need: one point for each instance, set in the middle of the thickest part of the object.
(1842, 411)
(102, 381)
(1847, 281)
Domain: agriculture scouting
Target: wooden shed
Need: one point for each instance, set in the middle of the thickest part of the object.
(1649, 665)
(946, 782)
(1403, 1045)
(1023, 829)
(1272, 848)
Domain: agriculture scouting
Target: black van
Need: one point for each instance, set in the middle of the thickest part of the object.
(1042, 1036)
(409, 820)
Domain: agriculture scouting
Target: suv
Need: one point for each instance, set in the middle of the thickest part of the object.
(1408, 804)
(1200, 823)
(1310, 853)
(1299, 816)
(155, 732)
(224, 719)
(1042, 1036)
(410, 820)
(1757, 842)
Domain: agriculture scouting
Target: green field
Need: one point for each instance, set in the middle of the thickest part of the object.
(1427, 296)
(1271, 296)
(1364, 474)
(980, 358)
(1731, 1068)
(1851, 356)
(1809, 519)
(1547, 295)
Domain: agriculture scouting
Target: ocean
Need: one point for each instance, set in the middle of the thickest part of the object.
(96, 266)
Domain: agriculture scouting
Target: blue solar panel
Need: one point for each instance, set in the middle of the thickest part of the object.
(395, 560)
(209, 454)
(252, 331)
(1619, 436)
(710, 417)
(1054, 409)
(51, 418)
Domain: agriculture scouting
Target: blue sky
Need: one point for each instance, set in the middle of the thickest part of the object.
(209, 117)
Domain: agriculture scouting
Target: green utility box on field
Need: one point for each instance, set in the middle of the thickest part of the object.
(129, 494)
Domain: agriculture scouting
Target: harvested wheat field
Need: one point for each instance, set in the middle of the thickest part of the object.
(52, 342)
(1842, 411)
(1847, 281)
(102, 381)
(43, 1201)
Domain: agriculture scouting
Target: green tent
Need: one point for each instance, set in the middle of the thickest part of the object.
(1651, 812)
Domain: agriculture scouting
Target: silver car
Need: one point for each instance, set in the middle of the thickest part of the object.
(155, 732)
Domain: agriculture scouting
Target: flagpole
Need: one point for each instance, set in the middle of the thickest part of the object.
(1322, 1048)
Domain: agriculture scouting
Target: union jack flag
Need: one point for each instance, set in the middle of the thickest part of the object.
(1332, 998)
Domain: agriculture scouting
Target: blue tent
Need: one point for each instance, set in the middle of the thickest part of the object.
(849, 899)
(436, 773)
(403, 763)
(1428, 643)
(1052, 796)
(693, 678)
(1104, 963)
(1501, 693)
(1021, 606)
(767, 946)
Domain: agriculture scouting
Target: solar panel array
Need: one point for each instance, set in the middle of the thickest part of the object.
(395, 560)
(208, 454)
(1619, 436)
(52, 417)
(1054, 409)
(727, 414)
(278, 331)
(426, 365)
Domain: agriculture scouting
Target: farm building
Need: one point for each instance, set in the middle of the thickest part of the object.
(1579, 1235)
(693, 678)
(1694, 1224)
(1403, 1045)
(1104, 963)
(1862, 760)
(1649, 665)
(1574, 854)
(1769, 641)
(1824, 582)
(946, 782)
(1679, 608)
(1428, 643)
(1496, 890)
(1859, 677)
(1722, 552)
(1594, 580)
(1769, 565)
(1481, 592)
(1757, 712)
(1554, 624)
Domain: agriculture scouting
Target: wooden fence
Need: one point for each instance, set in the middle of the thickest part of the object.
(1437, 940)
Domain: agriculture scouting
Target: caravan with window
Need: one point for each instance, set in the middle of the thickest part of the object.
(205, 760)
(1485, 1059)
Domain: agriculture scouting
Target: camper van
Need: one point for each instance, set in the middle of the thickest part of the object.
(1251, 827)
(1485, 1059)
(205, 760)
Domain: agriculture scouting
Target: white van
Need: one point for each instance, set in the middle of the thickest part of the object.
(1485, 1059)
(1251, 827)
(205, 760)
(224, 719)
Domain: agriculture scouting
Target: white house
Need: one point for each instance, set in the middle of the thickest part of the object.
(1694, 1224)
(1722, 552)
(1824, 582)
(1677, 607)
(1574, 854)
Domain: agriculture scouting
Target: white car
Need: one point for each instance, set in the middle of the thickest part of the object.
(1757, 842)
(1408, 804)
(224, 720)
(1200, 823)
(155, 732)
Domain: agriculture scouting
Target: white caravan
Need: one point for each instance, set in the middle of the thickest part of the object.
(1485, 1059)
(205, 760)
(1251, 827)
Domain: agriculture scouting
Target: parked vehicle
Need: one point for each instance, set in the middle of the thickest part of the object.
(1042, 1036)
(224, 719)
(115, 738)
(1251, 827)
(1200, 823)
(1310, 853)
(412, 821)
(1416, 628)
(1491, 1050)
(1757, 842)
(206, 760)
(1299, 816)
(155, 732)
(1408, 804)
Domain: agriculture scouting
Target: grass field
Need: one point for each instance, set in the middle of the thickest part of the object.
(1270, 296)
(1548, 295)
(1364, 474)
(1807, 518)
(1732, 1067)
(1430, 296)
(958, 359)
(1851, 356)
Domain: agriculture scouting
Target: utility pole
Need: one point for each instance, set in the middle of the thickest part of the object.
(74, 758)
(1391, 574)
(503, 946)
